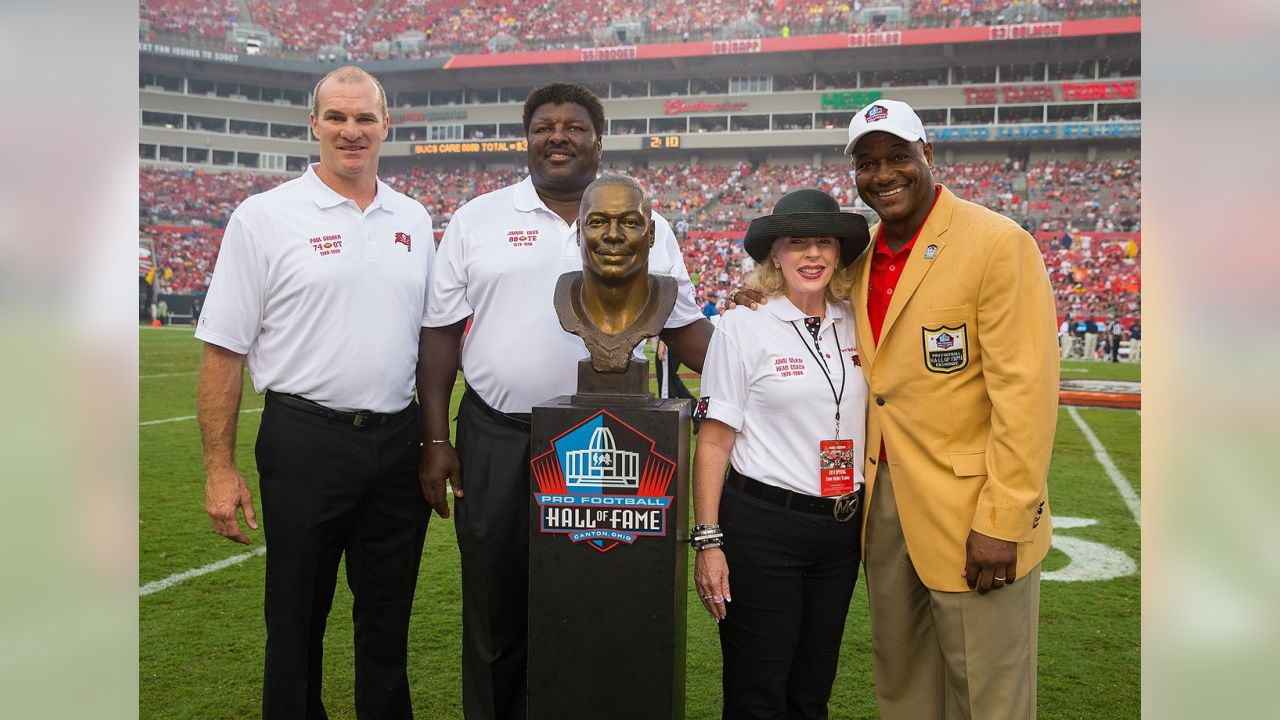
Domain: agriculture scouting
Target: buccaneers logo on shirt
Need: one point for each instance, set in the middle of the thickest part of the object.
(405, 240)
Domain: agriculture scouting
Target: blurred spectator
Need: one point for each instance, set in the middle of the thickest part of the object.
(1095, 274)
(475, 26)
(196, 18)
(1135, 341)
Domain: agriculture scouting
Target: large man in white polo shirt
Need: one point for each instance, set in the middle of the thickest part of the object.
(321, 285)
(499, 261)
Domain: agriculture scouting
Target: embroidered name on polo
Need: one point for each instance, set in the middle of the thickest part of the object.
(522, 238)
(788, 366)
(326, 244)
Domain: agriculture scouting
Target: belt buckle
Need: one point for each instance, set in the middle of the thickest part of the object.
(361, 419)
(845, 507)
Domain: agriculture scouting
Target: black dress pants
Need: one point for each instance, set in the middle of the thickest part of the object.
(493, 539)
(328, 488)
(791, 576)
(669, 370)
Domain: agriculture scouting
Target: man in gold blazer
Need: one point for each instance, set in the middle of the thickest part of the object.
(958, 338)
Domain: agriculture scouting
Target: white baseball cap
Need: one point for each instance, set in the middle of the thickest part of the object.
(891, 116)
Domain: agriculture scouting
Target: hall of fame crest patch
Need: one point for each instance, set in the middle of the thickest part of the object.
(946, 348)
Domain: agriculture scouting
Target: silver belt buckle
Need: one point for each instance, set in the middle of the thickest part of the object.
(846, 506)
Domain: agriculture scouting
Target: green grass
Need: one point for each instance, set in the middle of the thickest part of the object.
(1100, 370)
(200, 642)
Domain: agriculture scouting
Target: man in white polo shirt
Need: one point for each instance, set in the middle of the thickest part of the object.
(499, 261)
(321, 285)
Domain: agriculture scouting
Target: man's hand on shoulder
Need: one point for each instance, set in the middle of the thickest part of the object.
(748, 297)
(224, 491)
(439, 463)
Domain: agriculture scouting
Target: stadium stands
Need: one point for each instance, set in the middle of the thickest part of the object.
(308, 25)
(469, 26)
(197, 18)
(1085, 215)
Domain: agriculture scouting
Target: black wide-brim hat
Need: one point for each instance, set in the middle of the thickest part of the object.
(808, 213)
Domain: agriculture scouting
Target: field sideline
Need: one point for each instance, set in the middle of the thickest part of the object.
(201, 636)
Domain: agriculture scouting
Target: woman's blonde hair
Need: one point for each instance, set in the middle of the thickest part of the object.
(767, 279)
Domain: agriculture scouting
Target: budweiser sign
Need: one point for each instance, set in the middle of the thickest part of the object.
(678, 106)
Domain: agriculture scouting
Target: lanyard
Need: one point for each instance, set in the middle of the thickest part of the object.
(826, 369)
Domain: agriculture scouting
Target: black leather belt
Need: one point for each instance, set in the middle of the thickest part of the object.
(360, 419)
(841, 508)
(515, 421)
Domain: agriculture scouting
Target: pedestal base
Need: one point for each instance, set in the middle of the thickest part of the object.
(608, 560)
(604, 389)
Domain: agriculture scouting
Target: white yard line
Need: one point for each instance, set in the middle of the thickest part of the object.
(166, 583)
(187, 417)
(1117, 478)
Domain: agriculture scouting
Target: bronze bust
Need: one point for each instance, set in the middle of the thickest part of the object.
(613, 304)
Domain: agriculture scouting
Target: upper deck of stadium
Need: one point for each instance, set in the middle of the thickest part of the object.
(1040, 87)
(349, 30)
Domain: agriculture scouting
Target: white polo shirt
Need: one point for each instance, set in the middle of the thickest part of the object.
(499, 260)
(760, 379)
(327, 301)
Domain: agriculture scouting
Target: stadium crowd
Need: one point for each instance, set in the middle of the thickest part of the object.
(1085, 215)
(194, 18)
(470, 26)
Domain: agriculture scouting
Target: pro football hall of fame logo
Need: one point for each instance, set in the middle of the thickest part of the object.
(602, 484)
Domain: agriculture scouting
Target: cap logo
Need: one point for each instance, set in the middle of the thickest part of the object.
(875, 113)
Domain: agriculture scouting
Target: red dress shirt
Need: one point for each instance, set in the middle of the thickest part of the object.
(886, 270)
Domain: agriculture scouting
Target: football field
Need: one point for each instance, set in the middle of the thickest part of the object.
(200, 611)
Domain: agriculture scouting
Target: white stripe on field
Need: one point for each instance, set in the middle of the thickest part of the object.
(160, 375)
(193, 417)
(1117, 478)
(158, 585)
(187, 417)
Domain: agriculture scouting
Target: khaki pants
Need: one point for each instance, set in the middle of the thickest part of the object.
(1135, 351)
(1064, 343)
(945, 655)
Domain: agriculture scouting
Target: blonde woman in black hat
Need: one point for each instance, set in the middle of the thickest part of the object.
(783, 411)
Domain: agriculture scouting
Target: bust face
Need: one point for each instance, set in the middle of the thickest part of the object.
(615, 234)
